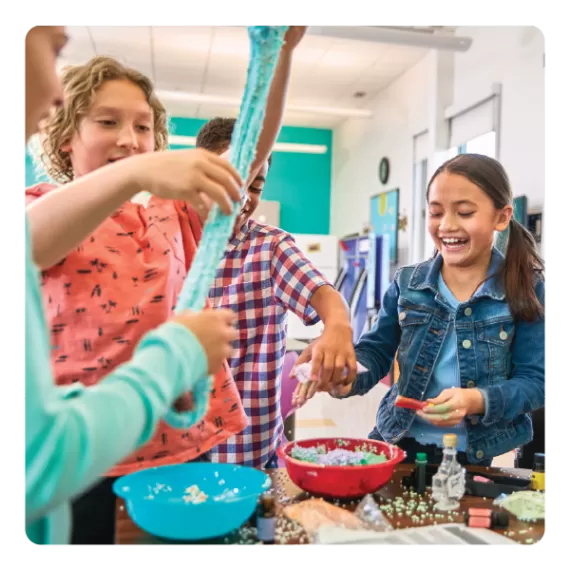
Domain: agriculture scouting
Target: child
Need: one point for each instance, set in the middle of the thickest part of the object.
(125, 278)
(468, 325)
(262, 276)
(73, 435)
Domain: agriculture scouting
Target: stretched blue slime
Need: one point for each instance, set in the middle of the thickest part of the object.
(265, 45)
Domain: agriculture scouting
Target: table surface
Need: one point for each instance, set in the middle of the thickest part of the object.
(128, 533)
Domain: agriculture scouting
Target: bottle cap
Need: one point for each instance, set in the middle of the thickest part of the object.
(450, 440)
(500, 519)
(421, 456)
(538, 464)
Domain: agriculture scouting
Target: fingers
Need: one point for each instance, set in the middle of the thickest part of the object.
(312, 389)
(327, 371)
(216, 192)
(341, 390)
(304, 357)
(447, 419)
(316, 364)
(227, 315)
(338, 371)
(300, 394)
(438, 409)
(351, 365)
(220, 169)
(444, 396)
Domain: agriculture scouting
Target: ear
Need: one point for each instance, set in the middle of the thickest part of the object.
(504, 218)
(66, 147)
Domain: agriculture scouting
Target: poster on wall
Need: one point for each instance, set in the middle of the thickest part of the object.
(384, 208)
(535, 226)
(520, 210)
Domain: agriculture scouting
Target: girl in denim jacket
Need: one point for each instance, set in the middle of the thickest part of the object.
(467, 326)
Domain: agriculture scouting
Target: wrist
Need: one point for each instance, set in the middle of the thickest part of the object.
(338, 325)
(126, 175)
(476, 402)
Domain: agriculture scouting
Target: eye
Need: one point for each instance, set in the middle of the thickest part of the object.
(466, 214)
(435, 214)
(107, 122)
(143, 128)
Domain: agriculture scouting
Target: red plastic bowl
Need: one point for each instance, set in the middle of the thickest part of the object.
(340, 481)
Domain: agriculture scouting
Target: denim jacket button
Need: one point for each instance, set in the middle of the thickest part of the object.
(480, 454)
(466, 343)
(474, 420)
(402, 315)
(468, 311)
(470, 384)
(503, 335)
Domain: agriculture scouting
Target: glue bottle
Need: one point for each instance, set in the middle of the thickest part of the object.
(421, 465)
(265, 520)
(448, 484)
(537, 478)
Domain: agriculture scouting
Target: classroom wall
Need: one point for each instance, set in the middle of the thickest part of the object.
(511, 56)
(301, 182)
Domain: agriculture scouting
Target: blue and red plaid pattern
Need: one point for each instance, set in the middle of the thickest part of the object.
(262, 276)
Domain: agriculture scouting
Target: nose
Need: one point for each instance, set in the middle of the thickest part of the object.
(127, 138)
(448, 223)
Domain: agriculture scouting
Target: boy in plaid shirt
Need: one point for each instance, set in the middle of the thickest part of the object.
(262, 276)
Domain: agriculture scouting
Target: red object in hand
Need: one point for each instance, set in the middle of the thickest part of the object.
(409, 403)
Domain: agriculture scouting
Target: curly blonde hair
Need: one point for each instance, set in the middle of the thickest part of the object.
(80, 84)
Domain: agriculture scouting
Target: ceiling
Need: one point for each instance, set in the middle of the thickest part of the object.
(211, 62)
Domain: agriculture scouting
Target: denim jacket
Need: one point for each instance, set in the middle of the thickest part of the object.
(501, 358)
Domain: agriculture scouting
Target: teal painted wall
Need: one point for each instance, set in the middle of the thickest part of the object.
(300, 182)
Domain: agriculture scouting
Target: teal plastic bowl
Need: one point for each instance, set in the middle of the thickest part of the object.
(155, 499)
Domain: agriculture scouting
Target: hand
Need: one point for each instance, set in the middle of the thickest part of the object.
(329, 355)
(293, 36)
(452, 405)
(215, 330)
(195, 176)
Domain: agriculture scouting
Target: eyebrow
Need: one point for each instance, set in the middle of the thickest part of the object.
(107, 109)
(457, 203)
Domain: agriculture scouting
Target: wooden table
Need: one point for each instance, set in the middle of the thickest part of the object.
(128, 533)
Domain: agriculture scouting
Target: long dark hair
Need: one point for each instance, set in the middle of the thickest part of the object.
(523, 265)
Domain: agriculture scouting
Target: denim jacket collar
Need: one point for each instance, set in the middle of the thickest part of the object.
(425, 276)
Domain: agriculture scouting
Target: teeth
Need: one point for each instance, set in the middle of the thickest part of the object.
(452, 240)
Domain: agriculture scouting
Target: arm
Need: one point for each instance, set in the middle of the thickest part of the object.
(524, 391)
(331, 307)
(65, 217)
(296, 281)
(376, 349)
(74, 437)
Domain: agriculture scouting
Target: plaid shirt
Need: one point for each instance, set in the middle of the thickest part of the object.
(262, 276)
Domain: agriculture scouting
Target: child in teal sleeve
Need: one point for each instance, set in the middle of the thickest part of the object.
(74, 435)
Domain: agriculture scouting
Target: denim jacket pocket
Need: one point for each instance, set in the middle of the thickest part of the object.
(494, 346)
(412, 318)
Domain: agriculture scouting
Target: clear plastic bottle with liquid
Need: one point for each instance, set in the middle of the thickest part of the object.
(448, 484)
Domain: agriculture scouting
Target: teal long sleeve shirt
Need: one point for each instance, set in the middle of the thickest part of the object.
(75, 434)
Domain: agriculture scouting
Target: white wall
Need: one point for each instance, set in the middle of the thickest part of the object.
(359, 144)
(512, 56)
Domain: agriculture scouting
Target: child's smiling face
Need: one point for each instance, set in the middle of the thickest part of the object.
(463, 219)
(118, 124)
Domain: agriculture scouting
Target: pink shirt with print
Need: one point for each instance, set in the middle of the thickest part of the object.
(122, 281)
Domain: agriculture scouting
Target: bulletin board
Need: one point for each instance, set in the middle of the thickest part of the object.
(384, 211)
